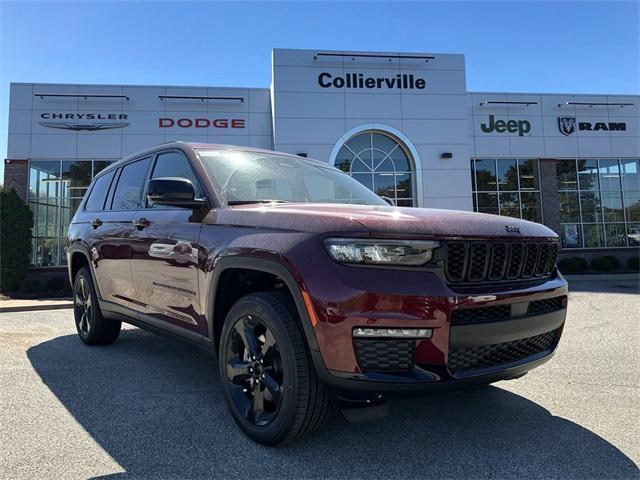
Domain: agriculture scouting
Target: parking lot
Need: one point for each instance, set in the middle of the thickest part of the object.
(151, 407)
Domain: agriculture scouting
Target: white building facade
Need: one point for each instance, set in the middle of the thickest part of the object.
(403, 124)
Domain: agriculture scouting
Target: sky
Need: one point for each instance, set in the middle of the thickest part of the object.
(509, 46)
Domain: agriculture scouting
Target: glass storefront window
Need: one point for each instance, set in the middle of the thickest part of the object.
(76, 177)
(633, 234)
(630, 177)
(507, 186)
(593, 235)
(488, 203)
(486, 175)
(507, 174)
(615, 235)
(567, 177)
(609, 175)
(596, 210)
(44, 178)
(588, 174)
(56, 188)
(531, 208)
(529, 177)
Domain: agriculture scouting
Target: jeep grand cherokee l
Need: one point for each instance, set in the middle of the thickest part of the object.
(307, 285)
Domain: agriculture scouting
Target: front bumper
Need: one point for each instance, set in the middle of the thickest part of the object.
(456, 355)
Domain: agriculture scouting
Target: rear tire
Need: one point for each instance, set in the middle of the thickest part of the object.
(268, 378)
(92, 327)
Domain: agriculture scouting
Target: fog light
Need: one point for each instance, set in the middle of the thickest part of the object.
(392, 332)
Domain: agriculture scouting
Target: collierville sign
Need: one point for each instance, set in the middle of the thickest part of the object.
(502, 126)
(402, 81)
(567, 125)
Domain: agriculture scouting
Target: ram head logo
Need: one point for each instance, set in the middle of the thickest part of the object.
(567, 125)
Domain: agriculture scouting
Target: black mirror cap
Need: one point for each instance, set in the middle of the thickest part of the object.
(173, 191)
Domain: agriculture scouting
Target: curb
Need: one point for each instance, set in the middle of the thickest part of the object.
(34, 307)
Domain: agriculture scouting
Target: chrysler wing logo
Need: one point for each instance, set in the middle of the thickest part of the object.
(77, 127)
(567, 125)
(512, 229)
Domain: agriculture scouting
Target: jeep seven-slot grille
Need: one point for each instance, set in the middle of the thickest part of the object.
(477, 261)
(384, 355)
(484, 356)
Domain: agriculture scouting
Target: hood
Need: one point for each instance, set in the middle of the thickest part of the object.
(383, 221)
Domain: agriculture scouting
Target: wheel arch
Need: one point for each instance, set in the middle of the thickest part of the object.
(264, 266)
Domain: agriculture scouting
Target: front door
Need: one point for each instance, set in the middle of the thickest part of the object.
(166, 256)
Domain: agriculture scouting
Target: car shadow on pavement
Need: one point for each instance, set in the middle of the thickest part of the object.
(156, 407)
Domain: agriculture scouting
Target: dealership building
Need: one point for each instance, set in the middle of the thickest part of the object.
(402, 124)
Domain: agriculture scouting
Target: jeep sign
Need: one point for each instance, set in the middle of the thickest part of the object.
(510, 126)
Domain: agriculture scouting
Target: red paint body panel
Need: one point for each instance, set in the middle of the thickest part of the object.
(166, 272)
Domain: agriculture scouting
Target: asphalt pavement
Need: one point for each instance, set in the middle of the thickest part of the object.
(147, 407)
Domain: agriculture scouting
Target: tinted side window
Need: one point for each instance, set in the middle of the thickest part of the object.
(99, 192)
(175, 164)
(128, 194)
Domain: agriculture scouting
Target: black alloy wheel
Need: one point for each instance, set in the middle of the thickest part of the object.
(82, 306)
(254, 370)
(92, 327)
(268, 378)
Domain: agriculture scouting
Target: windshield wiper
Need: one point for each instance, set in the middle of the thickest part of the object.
(249, 202)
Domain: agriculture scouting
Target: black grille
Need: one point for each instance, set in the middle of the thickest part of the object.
(548, 305)
(473, 358)
(470, 316)
(475, 261)
(456, 259)
(384, 355)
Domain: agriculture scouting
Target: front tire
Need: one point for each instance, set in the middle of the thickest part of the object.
(92, 327)
(268, 380)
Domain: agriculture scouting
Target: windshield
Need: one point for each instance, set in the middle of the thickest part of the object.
(251, 177)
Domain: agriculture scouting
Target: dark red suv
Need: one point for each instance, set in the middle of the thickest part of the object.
(308, 286)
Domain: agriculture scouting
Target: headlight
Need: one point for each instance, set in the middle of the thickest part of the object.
(381, 252)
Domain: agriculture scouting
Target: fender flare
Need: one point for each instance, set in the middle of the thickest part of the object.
(267, 266)
(83, 250)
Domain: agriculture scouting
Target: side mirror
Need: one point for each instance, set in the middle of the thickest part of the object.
(390, 201)
(173, 191)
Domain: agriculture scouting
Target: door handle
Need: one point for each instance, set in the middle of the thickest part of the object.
(141, 223)
(96, 222)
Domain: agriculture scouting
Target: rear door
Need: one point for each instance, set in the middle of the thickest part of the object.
(110, 235)
(166, 254)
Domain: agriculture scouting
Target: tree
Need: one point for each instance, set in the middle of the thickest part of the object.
(16, 225)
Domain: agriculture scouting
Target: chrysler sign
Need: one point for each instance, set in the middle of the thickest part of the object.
(83, 121)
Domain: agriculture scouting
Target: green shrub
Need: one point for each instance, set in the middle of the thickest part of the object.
(582, 262)
(16, 224)
(633, 263)
(30, 285)
(615, 261)
(570, 265)
(603, 264)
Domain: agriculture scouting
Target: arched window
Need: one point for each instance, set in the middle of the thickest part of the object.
(381, 163)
